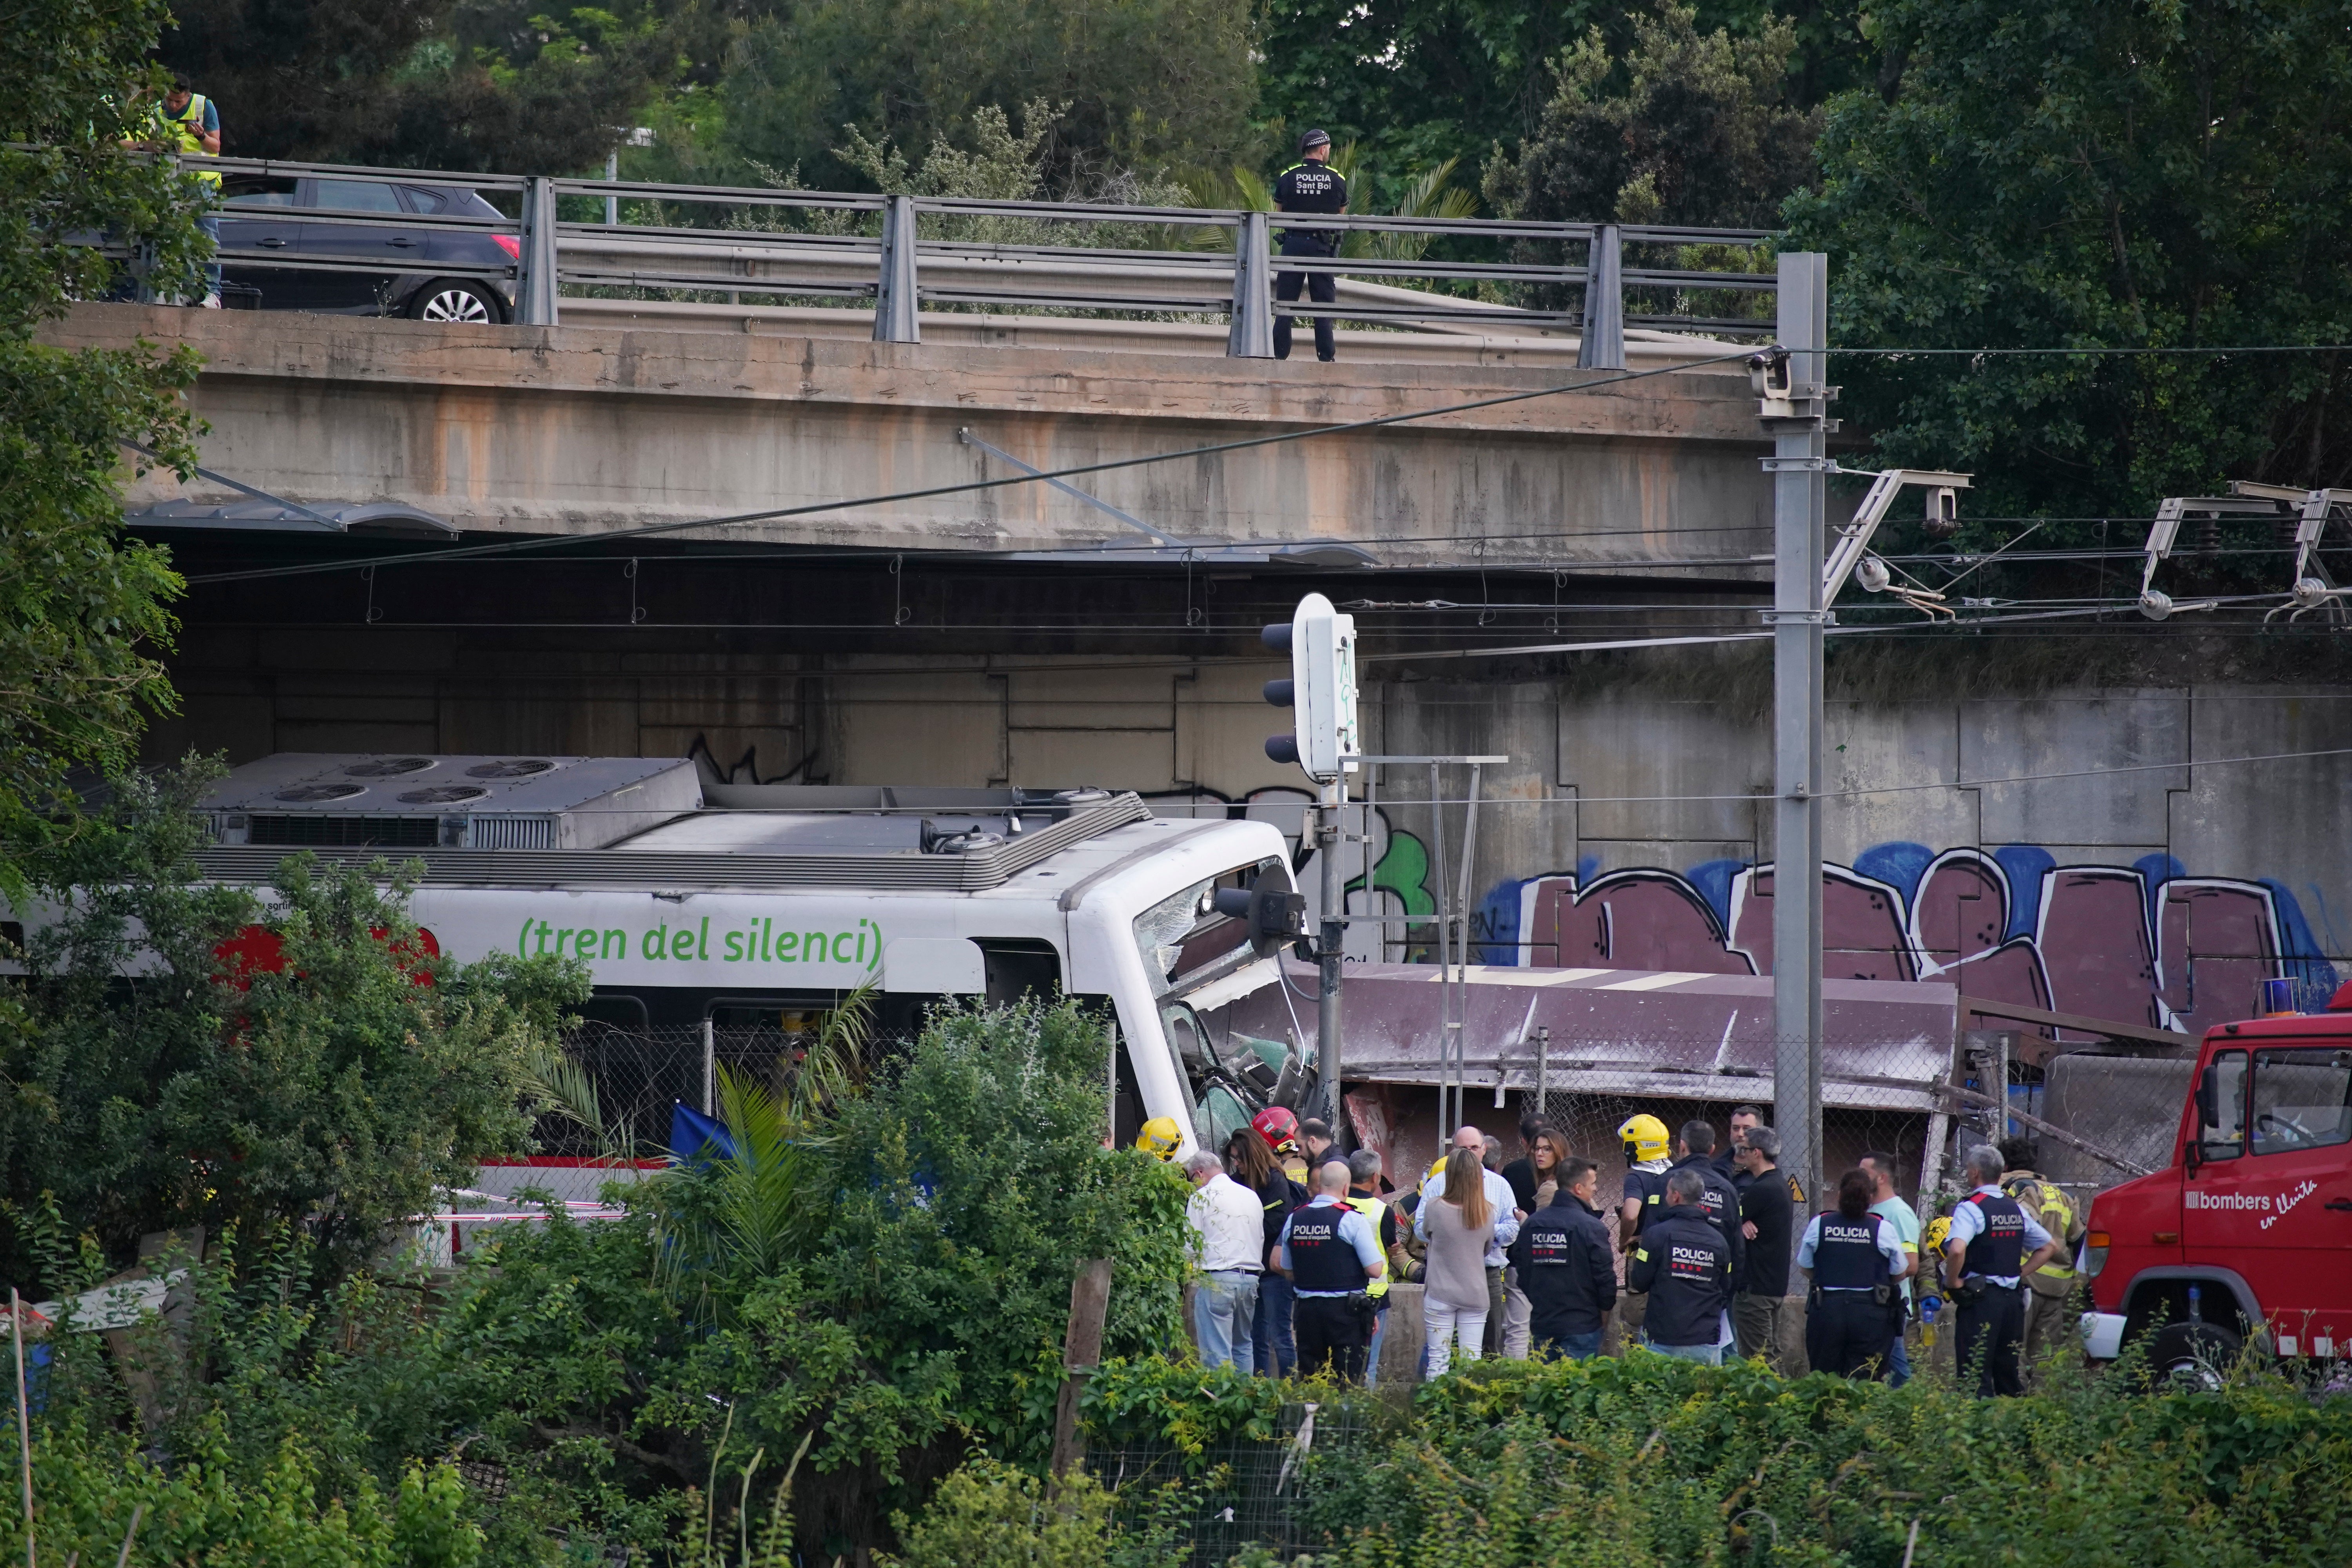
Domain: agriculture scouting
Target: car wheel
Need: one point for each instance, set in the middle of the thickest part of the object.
(2193, 1356)
(453, 300)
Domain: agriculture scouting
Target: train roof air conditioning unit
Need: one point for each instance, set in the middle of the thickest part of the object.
(300, 800)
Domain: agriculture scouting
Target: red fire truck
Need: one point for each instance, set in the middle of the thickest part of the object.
(2247, 1235)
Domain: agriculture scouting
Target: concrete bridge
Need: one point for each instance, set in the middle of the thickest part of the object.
(632, 414)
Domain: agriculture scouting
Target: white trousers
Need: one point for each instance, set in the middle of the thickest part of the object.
(1518, 1313)
(1445, 1323)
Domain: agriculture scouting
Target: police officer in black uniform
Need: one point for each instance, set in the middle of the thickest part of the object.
(1853, 1311)
(1721, 1201)
(1684, 1266)
(1309, 186)
(1568, 1266)
(1332, 1253)
(1984, 1264)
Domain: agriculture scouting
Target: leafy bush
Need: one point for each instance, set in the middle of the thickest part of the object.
(1654, 1461)
(919, 1314)
(995, 1515)
(902, 1301)
(930, 1316)
(1193, 1408)
(198, 1514)
(327, 1073)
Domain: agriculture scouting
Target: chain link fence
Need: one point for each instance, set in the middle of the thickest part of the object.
(1234, 1494)
(1875, 1099)
(641, 1072)
(1588, 1123)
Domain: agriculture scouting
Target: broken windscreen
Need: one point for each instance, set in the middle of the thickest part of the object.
(1184, 939)
(1185, 944)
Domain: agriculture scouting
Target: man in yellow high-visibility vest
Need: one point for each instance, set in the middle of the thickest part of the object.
(188, 123)
(1363, 1195)
(2048, 1287)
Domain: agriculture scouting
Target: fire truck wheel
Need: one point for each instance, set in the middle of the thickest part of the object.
(2193, 1355)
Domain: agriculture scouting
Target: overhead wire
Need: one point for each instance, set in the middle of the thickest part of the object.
(2093, 353)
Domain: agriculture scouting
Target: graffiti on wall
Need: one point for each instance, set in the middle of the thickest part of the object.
(2145, 943)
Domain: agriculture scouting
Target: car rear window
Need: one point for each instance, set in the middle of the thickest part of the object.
(257, 191)
(423, 201)
(358, 195)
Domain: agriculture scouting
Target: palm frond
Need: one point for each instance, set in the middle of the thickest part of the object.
(1432, 194)
(765, 1188)
(759, 1208)
(558, 1086)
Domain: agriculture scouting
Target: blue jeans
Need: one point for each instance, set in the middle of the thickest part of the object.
(1276, 1353)
(1898, 1363)
(1372, 1351)
(1705, 1355)
(1573, 1347)
(1224, 1312)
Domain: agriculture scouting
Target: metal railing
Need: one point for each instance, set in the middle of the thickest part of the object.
(895, 255)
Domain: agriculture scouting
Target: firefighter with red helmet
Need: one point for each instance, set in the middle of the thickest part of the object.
(1279, 1128)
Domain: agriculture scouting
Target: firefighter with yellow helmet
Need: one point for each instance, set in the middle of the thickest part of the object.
(1649, 1155)
(1161, 1138)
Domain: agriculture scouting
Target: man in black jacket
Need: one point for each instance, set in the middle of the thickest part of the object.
(1718, 1201)
(1682, 1264)
(1309, 186)
(1568, 1266)
(1743, 1117)
(1768, 1216)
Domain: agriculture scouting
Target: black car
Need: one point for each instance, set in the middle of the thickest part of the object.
(263, 213)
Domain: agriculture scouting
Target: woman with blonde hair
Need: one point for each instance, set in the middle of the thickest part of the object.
(1463, 1223)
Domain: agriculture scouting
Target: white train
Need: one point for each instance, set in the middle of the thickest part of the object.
(691, 899)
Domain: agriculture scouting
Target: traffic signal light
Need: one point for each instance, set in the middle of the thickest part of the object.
(1321, 644)
(1275, 913)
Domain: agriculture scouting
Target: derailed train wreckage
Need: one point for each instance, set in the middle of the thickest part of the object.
(707, 912)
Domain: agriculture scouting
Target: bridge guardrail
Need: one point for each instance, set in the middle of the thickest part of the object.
(1205, 261)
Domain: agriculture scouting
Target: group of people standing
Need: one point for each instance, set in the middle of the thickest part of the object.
(1299, 1246)
(1291, 1275)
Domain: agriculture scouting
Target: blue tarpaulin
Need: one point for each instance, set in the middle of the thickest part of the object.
(694, 1137)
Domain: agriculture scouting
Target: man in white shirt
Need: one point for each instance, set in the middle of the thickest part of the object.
(1228, 1226)
(1507, 1231)
(1890, 1206)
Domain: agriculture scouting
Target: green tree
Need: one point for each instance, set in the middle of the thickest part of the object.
(1420, 81)
(304, 1060)
(82, 609)
(1137, 83)
(1682, 128)
(921, 1317)
(2078, 173)
(498, 85)
(1411, 83)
